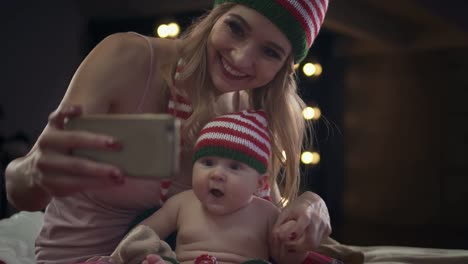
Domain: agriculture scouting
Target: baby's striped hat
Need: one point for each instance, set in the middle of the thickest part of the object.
(241, 136)
(299, 20)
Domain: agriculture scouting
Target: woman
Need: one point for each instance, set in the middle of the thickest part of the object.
(239, 56)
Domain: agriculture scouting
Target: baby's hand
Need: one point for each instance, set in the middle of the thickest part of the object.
(153, 259)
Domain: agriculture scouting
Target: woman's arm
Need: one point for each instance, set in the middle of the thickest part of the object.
(21, 191)
(99, 84)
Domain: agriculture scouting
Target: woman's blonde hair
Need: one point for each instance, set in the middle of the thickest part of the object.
(194, 54)
(284, 107)
(278, 98)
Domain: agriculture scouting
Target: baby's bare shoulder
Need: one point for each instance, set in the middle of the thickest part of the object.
(265, 207)
(182, 196)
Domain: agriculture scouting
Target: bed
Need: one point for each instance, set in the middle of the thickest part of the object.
(17, 235)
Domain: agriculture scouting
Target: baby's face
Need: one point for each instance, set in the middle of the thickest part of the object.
(224, 185)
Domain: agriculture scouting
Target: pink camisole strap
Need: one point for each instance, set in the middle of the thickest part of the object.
(150, 72)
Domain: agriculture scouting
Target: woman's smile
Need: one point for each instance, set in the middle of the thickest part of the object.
(230, 71)
(245, 50)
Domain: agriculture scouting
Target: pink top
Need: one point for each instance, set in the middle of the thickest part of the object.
(92, 223)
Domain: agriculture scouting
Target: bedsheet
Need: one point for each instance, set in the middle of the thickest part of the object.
(17, 236)
(392, 254)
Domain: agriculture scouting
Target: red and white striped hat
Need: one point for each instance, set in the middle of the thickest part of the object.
(299, 20)
(241, 136)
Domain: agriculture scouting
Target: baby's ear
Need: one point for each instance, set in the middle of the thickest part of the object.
(262, 180)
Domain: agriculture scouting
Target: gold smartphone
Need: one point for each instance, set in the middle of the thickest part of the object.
(150, 142)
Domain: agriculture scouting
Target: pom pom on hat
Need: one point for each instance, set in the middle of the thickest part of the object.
(299, 20)
(241, 136)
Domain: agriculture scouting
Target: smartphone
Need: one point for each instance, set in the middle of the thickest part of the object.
(150, 142)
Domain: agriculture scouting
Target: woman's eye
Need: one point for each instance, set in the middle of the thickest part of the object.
(235, 28)
(271, 53)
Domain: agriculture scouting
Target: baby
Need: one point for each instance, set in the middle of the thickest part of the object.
(221, 220)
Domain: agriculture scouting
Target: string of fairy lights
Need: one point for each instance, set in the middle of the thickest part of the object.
(310, 70)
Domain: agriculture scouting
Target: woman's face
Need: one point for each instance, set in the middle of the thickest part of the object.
(245, 50)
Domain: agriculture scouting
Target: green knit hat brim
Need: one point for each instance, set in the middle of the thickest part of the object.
(219, 151)
(282, 19)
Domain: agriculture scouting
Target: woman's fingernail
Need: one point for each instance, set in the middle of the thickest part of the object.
(117, 177)
(113, 144)
(293, 236)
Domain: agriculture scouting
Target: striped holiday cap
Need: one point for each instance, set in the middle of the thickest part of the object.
(299, 20)
(241, 136)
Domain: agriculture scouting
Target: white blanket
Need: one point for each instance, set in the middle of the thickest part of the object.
(17, 236)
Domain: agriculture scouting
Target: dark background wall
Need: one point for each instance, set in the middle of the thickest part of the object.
(406, 139)
(393, 138)
(40, 49)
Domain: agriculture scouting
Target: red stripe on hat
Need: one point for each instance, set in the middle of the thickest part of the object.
(232, 146)
(252, 117)
(325, 6)
(244, 124)
(231, 132)
(177, 100)
(179, 113)
(299, 17)
(180, 99)
(266, 187)
(320, 12)
(165, 184)
(323, 9)
(310, 12)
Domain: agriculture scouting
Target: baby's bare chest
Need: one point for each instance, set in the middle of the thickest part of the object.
(241, 234)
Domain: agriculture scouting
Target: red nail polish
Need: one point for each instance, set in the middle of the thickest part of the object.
(113, 144)
(117, 177)
(293, 236)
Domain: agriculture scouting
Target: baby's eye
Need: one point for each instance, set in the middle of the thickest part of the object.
(207, 162)
(235, 166)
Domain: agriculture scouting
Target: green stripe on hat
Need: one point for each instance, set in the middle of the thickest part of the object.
(220, 151)
(283, 19)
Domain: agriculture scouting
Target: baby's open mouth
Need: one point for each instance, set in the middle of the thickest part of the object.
(216, 192)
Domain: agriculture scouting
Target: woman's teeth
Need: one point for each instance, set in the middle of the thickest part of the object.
(231, 70)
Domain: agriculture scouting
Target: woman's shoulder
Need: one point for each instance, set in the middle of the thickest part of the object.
(116, 72)
(134, 46)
